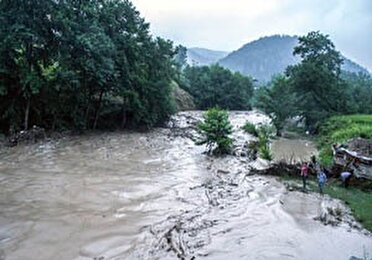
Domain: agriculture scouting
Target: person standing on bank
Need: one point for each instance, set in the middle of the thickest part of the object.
(304, 174)
(322, 178)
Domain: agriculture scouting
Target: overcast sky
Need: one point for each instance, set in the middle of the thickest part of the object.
(228, 24)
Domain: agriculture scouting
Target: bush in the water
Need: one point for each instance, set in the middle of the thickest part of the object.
(215, 130)
(250, 129)
(265, 132)
(265, 152)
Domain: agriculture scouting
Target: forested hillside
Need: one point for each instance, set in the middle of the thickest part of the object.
(81, 65)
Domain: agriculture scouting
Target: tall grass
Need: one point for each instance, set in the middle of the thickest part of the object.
(250, 129)
(359, 201)
(340, 129)
(265, 133)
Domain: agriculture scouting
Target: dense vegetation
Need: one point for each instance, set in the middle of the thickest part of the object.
(278, 100)
(339, 129)
(216, 130)
(264, 134)
(216, 86)
(81, 64)
(316, 88)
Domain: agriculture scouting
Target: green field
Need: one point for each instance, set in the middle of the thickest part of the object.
(360, 202)
(340, 129)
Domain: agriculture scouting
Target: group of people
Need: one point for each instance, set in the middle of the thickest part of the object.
(321, 175)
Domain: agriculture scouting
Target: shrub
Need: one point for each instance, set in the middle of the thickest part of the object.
(265, 152)
(250, 129)
(264, 134)
(215, 130)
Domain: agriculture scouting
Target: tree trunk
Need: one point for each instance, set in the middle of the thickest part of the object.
(87, 116)
(98, 110)
(89, 92)
(27, 113)
(124, 117)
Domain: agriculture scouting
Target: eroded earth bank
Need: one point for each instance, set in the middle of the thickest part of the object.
(157, 196)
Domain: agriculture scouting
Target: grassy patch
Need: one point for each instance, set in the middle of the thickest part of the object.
(340, 129)
(250, 129)
(360, 202)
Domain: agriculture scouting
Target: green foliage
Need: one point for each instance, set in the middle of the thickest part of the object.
(316, 80)
(81, 64)
(315, 89)
(359, 201)
(359, 89)
(181, 56)
(277, 100)
(215, 86)
(340, 129)
(215, 130)
(265, 152)
(265, 133)
(250, 129)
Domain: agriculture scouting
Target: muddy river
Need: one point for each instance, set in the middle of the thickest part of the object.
(157, 196)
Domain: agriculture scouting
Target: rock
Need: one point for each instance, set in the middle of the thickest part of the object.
(223, 171)
(184, 101)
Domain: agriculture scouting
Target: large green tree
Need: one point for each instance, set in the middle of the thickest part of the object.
(81, 64)
(277, 100)
(216, 86)
(316, 80)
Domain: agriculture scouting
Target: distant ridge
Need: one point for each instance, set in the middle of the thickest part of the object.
(267, 56)
(201, 56)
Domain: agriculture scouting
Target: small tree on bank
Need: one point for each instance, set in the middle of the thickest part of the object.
(215, 130)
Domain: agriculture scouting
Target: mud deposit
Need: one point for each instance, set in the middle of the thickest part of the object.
(156, 196)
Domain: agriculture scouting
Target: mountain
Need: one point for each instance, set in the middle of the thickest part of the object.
(201, 56)
(351, 66)
(270, 55)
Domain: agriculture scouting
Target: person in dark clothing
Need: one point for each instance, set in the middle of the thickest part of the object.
(304, 174)
(345, 178)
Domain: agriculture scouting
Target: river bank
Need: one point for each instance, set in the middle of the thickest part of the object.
(155, 195)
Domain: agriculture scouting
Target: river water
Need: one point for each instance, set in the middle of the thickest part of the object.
(156, 195)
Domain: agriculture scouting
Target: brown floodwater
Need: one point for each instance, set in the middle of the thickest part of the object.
(156, 195)
(293, 150)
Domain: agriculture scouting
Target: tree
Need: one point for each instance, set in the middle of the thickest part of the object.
(278, 101)
(215, 130)
(180, 58)
(26, 45)
(316, 80)
(216, 86)
(359, 92)
(81, 65)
